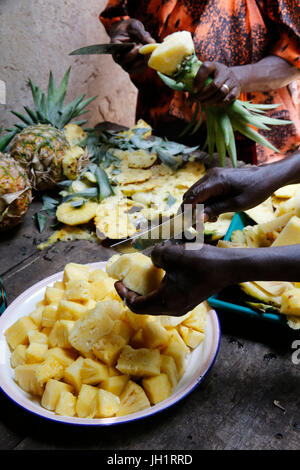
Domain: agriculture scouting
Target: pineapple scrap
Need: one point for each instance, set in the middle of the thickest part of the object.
(69, 215)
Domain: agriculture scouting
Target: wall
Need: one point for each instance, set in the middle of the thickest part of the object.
(38, 35)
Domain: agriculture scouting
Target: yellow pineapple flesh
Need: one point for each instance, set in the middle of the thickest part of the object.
(132, 399)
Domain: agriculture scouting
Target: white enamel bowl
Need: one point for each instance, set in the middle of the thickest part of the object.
(199, 362)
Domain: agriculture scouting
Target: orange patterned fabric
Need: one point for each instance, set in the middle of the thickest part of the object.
(233, 32)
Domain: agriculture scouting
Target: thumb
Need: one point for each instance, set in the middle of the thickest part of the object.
(213, 209)
(138, 31)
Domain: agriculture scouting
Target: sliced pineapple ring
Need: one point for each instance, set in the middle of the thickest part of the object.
(70, 215)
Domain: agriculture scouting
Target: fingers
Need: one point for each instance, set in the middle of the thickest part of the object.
(152, 304)
(137, 31)
(167, 256)
(223, 89)
(210, 186)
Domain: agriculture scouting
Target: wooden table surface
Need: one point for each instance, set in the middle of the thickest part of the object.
(232, 409)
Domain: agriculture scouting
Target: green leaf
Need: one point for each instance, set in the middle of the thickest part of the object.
(105, 189)
(78, 204)
(49, 203)
(141, 143)
(220, 142)
(89, 193)
(191, 124)
(168, 159)
(253, 135)
(41, 220)
(178, 86)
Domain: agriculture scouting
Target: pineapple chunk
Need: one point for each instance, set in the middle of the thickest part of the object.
(72, 374)
(290, 304)
(68, 310)
(157, 388)
(97, 275)
(115, 384)
(93, 372)
(35, 336)
(100, 289)
(36, 352)
(53, 295)
(168, 55)
(87, 402)
(59, 285)
(192, 338)
(51, 368)
(49, 315)
(18, 356)
(132, 399)
(155, 335)
(108, 348)
(290, 235)
(69, 215)
(18, 332)
(78, 290)
(52, 392)
(168, 366)
(108, 404)
(59, 335)
(137, 341)
(74, 158)
(136, 321)
(112, 371)
(93, 326)
(139, 362)
(36, 315)
(178, 350)
(137, 272)
(123, 329)
(27, 380)
(198, 318)
(66, 358)
(76, 272)
(66, 405)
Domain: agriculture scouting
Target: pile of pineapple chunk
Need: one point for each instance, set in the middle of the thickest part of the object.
(277, 224)
(85, 354)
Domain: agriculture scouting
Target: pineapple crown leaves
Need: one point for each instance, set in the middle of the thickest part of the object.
(50, 109)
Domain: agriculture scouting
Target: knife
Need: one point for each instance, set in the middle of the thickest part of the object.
(104, 49)
(175, 228)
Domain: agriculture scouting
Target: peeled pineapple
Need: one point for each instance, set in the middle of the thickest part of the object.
(139, 362)
(108, 404)
(74, 134)
(136, 271)
(93, 326)
(83, 363)
(26, 377)
(132, 399)
(168, 55)
(52, 392)
(157, 388)
(70, 215)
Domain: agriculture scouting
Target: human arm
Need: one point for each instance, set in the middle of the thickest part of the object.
(229, 190)
(194, 275)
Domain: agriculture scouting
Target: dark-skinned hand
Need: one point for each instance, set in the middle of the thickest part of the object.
(191, 276)
(131, 30)
(231, 189)
(223, 89)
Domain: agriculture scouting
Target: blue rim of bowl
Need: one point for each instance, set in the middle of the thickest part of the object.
(199, 380)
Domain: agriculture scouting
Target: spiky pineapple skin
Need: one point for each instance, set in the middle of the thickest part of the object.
(13, 179)
(40, 149)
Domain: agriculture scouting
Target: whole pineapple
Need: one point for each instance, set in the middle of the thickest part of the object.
(15, 192)
(40, 143)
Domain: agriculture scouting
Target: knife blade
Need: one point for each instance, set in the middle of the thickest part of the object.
(173, 228)
(103, 49)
